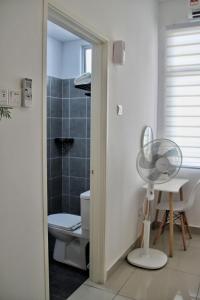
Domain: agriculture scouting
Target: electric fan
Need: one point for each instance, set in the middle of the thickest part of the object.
(157, 162)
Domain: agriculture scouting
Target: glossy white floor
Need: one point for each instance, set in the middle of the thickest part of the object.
(179, 280)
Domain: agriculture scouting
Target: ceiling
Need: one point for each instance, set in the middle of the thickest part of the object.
(60, 33)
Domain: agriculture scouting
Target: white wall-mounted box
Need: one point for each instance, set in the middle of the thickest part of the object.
(119, 52)
(14, 98)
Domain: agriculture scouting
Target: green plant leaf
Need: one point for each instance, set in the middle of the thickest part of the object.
(5, 112)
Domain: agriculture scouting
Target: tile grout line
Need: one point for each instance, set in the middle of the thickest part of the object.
(104, 288)
(97, 288)
(49, 197)
(134, 270)
(76, 137)
(62, 151)
(123, 297)
(69, 155)
(181, 271)
(50, 123)
(86, 147)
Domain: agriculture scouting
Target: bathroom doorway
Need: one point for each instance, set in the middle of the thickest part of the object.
(69, 67)
(95, 250)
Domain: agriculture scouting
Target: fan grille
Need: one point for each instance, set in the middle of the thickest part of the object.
(159, 161)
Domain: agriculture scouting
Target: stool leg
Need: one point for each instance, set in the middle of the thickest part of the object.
(187, 225)
(166, 218)
(183, 230)
(160, 228)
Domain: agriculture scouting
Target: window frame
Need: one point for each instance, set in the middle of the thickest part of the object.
(84, 49)
(162, 77)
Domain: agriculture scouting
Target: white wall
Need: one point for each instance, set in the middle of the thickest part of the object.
(54, 57)
(21, 214)
(134, 85)
(170, 13)
(64, 59)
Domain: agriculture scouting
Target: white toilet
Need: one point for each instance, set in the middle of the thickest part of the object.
(72, 235)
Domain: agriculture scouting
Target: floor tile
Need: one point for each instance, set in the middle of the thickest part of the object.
(116, 280)
(186, 261)
(165, 284)
(89, 293)
(198, 296)
(64, 280)
(118, 297)
(195, 241)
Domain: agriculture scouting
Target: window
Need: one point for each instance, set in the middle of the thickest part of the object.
(181, 109)
(87, 59)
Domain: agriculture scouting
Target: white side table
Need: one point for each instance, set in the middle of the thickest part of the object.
(175, 185)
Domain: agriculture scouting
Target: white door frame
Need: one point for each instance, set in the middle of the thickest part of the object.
(98, 141)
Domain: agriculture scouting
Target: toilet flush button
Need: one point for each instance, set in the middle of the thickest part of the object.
(119, 109)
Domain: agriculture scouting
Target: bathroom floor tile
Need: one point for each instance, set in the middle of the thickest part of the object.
(64, 280)
(90, 293)
(116, 280)
(54, 297)
(165, 284)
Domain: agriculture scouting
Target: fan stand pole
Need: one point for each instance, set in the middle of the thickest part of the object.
(146, 257)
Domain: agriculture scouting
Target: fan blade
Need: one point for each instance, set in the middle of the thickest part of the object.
(155, 148)
(154, 175)
(171, 152)
(145, 164)
(148, 164)
(171, 170)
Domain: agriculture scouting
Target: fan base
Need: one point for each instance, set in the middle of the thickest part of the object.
(155, 259)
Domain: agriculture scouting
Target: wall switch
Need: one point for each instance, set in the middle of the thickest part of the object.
(14, 98)
(3, 97)
(119, 110)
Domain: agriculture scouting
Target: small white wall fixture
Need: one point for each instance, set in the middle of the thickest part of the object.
(119, 52)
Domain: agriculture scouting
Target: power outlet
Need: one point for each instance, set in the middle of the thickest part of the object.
(4, 97)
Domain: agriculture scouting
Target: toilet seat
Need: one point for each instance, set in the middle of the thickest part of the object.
(64, 221)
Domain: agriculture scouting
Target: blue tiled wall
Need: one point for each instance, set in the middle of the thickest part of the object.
(68, 112)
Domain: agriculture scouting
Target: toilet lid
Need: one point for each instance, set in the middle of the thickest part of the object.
(85, 195)
(64, 221)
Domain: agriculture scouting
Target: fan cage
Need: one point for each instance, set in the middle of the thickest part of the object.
(148, 153)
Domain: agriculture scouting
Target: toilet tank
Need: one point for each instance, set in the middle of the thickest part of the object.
(85, 210)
